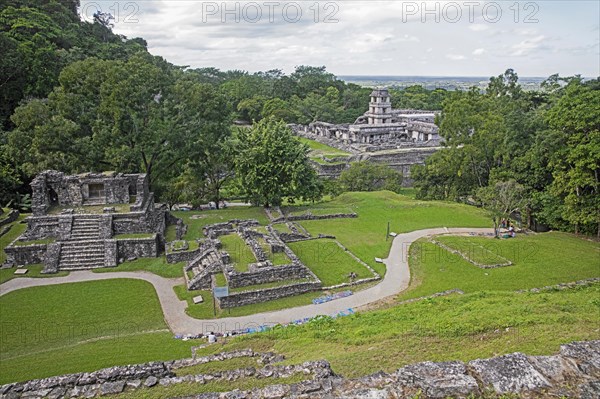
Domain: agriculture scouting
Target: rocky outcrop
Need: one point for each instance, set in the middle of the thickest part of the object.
(574, 372)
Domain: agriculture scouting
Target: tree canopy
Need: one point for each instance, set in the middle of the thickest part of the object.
(273, 165)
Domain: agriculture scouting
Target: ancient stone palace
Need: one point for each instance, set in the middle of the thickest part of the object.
(380, 126)
(399, 138)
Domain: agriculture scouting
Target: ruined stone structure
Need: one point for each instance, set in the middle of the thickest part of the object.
(77, 220)
(381, 126)
(574, 372)
(209, 260)
(293, 278)
(399, 138)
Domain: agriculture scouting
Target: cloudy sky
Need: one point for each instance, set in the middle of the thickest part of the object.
(353, 37)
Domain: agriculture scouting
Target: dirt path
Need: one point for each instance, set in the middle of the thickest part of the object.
(396, 280)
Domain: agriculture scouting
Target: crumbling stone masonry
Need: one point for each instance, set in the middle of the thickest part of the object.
(573, 372)
(398, 138)
(80, 217)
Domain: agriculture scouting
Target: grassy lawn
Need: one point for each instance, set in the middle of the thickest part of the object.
(171, 233)
(239, 253)
(17, 228)
(318, 148)
(34, 271)
(486, 252)
(216, 366)
(154, 265)
(203, 218)
(461, 327)
(538, 260)
(82, 327)
(193, 389)
(328, 261)
(365, 236)
(178, 245)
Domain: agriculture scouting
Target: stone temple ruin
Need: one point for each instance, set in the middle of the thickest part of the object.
(263, 280)
(89, 221)
(399, 138)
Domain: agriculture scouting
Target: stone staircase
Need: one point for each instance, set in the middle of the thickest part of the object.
(83, 254)
(85, 227)
(85, 248)
(202, 268)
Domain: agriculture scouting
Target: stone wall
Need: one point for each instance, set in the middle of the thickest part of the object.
(23, 255)
(310, 216)
(183, 256)
(267, 275)
(11, 217)
(111, 253)
(268, 294)
(42, 227)
(55, 188)
(332, 170)
(51, 258)
(573, 372)
(115, 380)
(138, 247)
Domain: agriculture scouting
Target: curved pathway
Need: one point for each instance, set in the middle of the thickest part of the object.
(396, 280)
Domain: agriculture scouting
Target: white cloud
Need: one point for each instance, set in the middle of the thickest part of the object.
(369, 38)
(478, 27)
(527, 46)
(455, 57)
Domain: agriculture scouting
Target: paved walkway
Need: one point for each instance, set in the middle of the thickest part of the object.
(396, 280)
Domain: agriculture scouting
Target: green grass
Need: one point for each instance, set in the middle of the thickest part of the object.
(157, 266)
(328, 261)
(325, 209)
(34, 271)
(133, 235)
(192, 246)
(202, 310)
(217, 366)
(20, 243)
(52, 330)
(487, 252)
(282, 228)
(17, 228)
(460, 327)
(192, 389)
(318, 148)
(171, 233)
(239, 253)
(220, 280)
(365, 236)
(538, 260)
(218, 216)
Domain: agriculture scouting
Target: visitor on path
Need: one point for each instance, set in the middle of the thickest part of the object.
(212, 338)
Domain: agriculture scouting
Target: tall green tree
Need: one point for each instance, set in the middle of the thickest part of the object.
(576, 165)
(272, 165)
